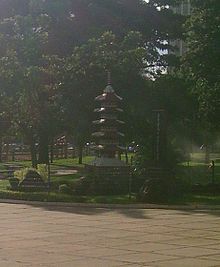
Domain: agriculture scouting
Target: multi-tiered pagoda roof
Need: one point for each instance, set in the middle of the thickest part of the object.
(107, 135)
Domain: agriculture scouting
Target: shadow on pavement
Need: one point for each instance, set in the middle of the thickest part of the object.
(82, 210)
(135, 213)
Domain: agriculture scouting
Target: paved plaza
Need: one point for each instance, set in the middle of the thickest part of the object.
(35, 235)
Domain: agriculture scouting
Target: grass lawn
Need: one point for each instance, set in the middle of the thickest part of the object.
(196, 171)
(70, 162)
(3, 184)
(56, 181)
(196, 199)
(54, 195)
(205, 199)
(193, 172)
(60, 197)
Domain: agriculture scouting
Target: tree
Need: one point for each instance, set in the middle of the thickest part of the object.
(71, 23)
(86, 77)
(27, 76)
(91, 36)
(201, 62)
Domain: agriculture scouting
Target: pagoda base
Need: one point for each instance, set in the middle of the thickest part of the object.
(110, 175)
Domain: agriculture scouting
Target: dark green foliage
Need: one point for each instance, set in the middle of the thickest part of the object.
(32, 181)
(206, 189)
(201, 64)
(70, 23)
(65, 189)
(54, 57)
(94, 185)
(83, 186)
(32, 189)
(173, 154)
(137, 179)
(69, 180)
(14, 183)
(111, 185)
(160, 190)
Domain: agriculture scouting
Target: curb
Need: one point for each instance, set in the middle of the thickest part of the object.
(111, 206)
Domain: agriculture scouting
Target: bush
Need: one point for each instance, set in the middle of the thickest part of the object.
(30, 180)
(206, 189)
(65, 189)
(143, 159)
(32, 189)
(94, 185)
(83, 186)
(14, 183)
(42, 170)
(111, 185)
(158, 190)
(20, 174)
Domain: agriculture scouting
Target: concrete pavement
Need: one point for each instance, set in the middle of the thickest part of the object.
(38, 235)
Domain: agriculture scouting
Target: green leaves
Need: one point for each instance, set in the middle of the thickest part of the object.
(201, 63)
(54, 56)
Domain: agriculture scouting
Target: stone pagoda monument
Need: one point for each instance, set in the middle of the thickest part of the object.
(107, 137)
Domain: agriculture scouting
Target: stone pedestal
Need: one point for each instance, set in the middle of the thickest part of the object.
(109, 179)
(107, 171)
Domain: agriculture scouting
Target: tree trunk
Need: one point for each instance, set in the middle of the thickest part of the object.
(74, 149)
(65, 151)
(51, 152)
(29, 135)
(0, 149)
(43, 148)
(33, 153)
(73, 152)
(207, 154)
(126, 156)
(80, 153)
(7, 151)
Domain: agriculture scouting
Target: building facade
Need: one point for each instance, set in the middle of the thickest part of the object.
(184, 9)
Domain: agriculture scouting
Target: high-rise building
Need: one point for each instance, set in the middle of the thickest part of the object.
(184, 9)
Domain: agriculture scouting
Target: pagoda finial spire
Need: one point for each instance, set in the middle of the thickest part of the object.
(109, 77)
(108, 88)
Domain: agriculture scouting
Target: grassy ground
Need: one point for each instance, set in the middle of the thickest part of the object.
(193, 172)
(200, 157)
(197, 171)
(3, 184)
(59, 197)
(196, 199)
(203, 199)
(70, 162)
(54, 195)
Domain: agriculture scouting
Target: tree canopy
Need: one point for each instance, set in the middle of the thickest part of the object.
(201, 62)
(54, 56)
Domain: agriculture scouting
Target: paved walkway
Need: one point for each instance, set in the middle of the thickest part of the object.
(33, 235)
